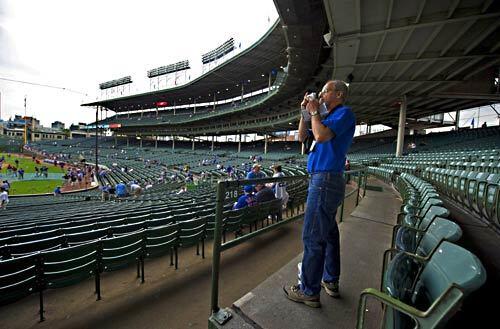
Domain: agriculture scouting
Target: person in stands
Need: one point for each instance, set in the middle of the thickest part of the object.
(4, 198)
(328, 128)
(121, 190)
(247, 199)
(264, 193)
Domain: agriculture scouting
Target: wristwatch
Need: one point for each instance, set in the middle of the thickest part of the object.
(314, 113)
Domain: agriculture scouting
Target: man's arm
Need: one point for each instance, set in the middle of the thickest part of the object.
(302, 130)
(321, 132)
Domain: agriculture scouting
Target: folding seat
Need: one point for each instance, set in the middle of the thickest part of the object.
(425, 293)
(26, 248)
(119, 252)
(131, 219)
(472, 188)
(430, 211)
(108, 223)
(464, 181)
(86, 237)
(233, 220)
(428, 235)
(19, 278)
(161, 240)
(64, 267)
(488, 196)
(126, 229)
(37, 236)
(193, 232)
(456, 183)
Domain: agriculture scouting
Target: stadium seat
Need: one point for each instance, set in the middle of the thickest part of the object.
(425, 292)
(161, 240)
(64, 267)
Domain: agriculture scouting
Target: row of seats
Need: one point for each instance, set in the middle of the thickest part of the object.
(64, 260)
(477, 191)
(425, 275)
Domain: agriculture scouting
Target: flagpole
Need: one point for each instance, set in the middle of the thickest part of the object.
(25, 123)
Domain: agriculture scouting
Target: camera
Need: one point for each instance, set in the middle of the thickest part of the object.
(312, 96)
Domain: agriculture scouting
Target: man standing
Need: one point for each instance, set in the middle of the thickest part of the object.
(331, 134)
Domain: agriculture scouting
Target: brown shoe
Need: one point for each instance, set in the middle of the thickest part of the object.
(331, 288)
(294, 293)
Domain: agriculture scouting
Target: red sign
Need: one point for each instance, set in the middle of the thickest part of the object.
(162, 104)
(115, 125)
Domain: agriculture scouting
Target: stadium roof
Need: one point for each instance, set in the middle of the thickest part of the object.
(250, 67)
(444, 55)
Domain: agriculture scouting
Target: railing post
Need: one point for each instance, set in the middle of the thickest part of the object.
(218, 315)
(358, 188)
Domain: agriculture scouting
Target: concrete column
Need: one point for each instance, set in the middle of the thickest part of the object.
(140, 143)
(142, 112)
(265, 144)
(242, 92)
(401, 127)
(239, 143)
(174, 107)
(214, 101)
(269, 84)
(173, 143)
(368, 129)
(156, 142)
(212, 143)
(457, 119)
(192, 147)
(127, 141)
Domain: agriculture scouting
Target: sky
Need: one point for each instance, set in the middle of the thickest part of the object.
(75, 45)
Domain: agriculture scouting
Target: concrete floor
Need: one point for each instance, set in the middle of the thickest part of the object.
(169, 298)
(365, 234)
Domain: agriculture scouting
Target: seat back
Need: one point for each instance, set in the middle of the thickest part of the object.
(70, 265)
(450, 264)
(18, 278)
(440, 229)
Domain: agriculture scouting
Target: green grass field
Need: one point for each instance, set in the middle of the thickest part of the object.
(34, 187)
(27, 164)
(30, 186)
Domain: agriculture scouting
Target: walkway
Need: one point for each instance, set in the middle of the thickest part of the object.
(365, 234)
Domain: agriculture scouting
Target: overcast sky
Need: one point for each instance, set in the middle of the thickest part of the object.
(77, 44)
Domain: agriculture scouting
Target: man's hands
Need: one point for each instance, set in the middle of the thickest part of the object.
(310, 105)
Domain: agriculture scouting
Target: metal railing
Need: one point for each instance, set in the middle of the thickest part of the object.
(221, 316)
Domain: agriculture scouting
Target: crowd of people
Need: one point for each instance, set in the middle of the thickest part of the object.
(260, 193)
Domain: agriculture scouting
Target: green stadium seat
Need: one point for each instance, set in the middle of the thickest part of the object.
(119, 252)
(64, 267)
(425, 293)
(19, 278)
(161, 240)
(193, 232)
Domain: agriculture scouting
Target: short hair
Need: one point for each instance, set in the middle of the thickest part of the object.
(342, 87)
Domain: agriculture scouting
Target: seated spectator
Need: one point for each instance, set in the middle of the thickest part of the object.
(182, 190)
(264, 193)
(245, 200)
(57, 191)
(255, 173)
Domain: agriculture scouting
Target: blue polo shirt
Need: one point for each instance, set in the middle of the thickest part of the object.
(330, 156)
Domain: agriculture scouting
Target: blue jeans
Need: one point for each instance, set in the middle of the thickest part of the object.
(320, 234)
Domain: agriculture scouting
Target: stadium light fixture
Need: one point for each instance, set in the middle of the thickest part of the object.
(218, 52)
(115, 83)
(171, 68)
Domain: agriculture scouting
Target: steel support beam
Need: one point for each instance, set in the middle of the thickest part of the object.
(401, 127)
